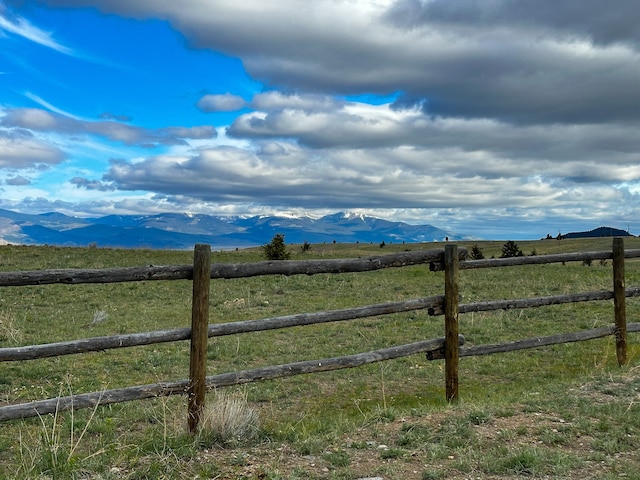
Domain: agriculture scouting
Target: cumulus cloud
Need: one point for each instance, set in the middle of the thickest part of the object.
(80, 182)
(20, 149)
(515, 61)
(18, 181)
(41, 120)
(283, 174)
(221, 103)
(503, 147)
(275, 100)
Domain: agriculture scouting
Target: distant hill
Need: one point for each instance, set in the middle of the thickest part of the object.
(599, 232)
(180, 231)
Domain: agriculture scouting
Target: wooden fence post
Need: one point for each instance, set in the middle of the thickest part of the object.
(199, 334)
(619, 300)
(451, 348)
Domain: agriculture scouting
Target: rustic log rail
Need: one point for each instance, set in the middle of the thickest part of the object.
(451, 259)
(141, 392)
(222, 270)
(97, 344)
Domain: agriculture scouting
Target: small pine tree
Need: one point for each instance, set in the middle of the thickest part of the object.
(276, 249)
(511, 249)
(476, 253)
(306, 246)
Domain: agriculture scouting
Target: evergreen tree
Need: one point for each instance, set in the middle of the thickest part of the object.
(276, 249)
(476, 253)
(511, 249)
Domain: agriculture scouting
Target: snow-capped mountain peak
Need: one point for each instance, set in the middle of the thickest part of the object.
(182, 231)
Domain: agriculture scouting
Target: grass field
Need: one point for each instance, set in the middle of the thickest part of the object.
(566, 411)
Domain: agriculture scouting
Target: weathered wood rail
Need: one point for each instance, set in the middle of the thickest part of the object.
(221, 270)
(450, 347)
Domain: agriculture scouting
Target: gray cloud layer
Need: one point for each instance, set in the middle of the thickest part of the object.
(505, 103)
(565, 61)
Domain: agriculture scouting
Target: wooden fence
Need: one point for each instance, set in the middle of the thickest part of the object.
(449, 347)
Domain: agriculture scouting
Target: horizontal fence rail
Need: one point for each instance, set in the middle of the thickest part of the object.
(450, 347)
(141, 392)
(535, 342)
(543, 259)
(221, 270)
(97, 344)
(534, 260)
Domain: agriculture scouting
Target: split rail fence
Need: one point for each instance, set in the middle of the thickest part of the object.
(450, 347)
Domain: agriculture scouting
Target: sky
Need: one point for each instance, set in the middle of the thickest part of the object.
(497, 119)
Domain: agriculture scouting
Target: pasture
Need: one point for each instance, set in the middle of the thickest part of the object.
(556, 412)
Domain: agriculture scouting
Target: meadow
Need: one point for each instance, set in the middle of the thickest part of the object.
(566, 411)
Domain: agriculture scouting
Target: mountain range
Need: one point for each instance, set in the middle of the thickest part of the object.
(181, 231)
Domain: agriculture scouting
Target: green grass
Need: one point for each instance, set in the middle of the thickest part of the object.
(557, 411)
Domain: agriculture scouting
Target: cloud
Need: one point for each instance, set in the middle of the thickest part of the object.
(19, 149)
(593, 20)
(221, 103)
(112, 116)
(500, 148)
(49, 106)
(285, 175)
(510, 60)
(85, 183)
(40, 120)
(18, 181)
(274, 100)
(19, 26)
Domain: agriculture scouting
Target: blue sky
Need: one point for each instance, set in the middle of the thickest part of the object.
(501, 119)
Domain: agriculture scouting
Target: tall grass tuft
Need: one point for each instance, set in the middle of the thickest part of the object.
(9, 332)
(53, 452)
(229, 420)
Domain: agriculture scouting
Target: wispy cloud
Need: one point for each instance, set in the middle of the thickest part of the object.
(21, 27)
(40, 101)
